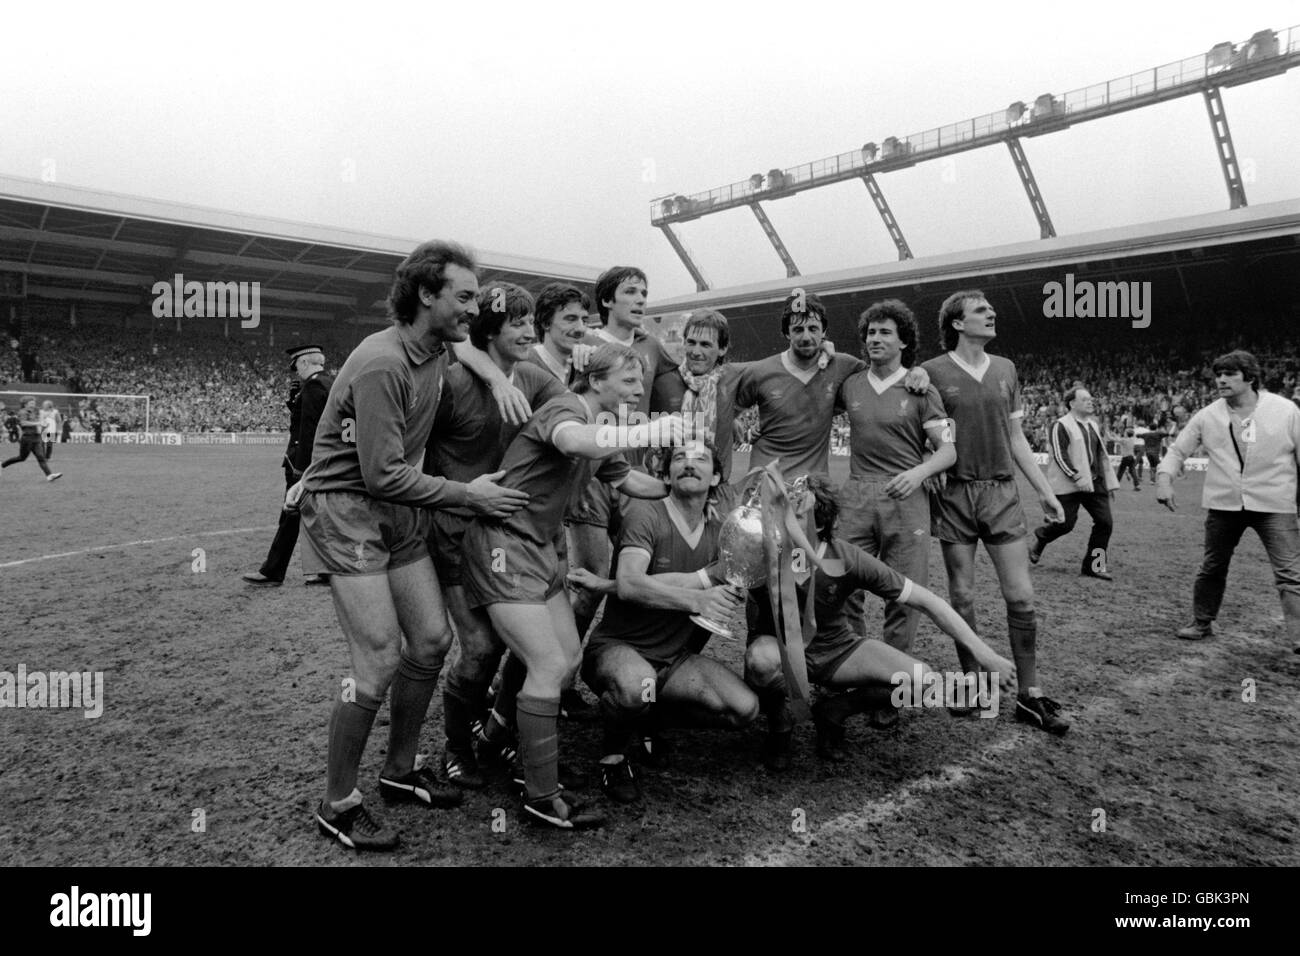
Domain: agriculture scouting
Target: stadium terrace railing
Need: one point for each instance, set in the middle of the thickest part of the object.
(1223, 65)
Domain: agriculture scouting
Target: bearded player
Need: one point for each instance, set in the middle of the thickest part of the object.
(643, 657)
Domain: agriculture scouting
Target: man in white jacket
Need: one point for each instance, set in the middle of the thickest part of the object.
(1252, 440)
(1080, 473)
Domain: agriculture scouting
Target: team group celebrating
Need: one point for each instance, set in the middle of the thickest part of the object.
(465, 480)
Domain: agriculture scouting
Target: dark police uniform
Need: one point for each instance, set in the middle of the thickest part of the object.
(306, 404)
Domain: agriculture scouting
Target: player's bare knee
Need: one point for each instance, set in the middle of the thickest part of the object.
(743, 710)
(429, 645)
(478, 664)
(962, 599)
(1019, 601)
(551, 672)
(629, 693)
(762, 662)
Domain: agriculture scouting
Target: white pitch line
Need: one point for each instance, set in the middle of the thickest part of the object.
(791, 851)
(132, 544)
(882, 809)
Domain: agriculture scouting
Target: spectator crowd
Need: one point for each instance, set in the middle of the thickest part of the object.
(206, 383)
(195, 383)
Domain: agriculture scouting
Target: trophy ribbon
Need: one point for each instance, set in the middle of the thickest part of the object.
(779, 512)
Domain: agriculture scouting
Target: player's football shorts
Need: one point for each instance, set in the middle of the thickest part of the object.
(969, 511)
(348, 533)
(446, 545)
(500, 567)
(822, 657)
(596, 673)
(828, 651)
(595, 504)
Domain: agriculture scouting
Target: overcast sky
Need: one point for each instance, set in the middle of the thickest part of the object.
(545, 130)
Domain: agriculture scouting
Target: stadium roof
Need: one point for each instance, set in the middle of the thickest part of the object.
(1281, 219)
(78, 245)
(1242, 259)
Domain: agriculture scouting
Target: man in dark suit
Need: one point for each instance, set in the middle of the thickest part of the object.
(306, 402)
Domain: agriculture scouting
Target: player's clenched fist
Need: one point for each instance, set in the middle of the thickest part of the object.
(485, 497)
(664, 431)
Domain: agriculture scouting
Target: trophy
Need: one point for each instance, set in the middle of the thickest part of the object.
(741, 552)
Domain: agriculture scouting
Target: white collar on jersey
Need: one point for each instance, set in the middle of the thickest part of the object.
(882, 385)
(804, 375)
(559, 371)
(692, 538)
(974, 371)
(604, 333)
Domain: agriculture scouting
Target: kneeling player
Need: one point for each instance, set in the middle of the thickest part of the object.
(638, 658)
(837, 658)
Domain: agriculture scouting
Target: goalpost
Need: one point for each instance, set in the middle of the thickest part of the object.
(130, 413)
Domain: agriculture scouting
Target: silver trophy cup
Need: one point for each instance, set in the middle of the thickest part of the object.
(740, 552)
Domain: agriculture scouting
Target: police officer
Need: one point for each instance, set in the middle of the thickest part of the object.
(306, 402)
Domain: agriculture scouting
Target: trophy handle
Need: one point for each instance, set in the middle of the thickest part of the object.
(716, 627)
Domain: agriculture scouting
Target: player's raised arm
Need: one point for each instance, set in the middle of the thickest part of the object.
(602, 440)
(640, 485)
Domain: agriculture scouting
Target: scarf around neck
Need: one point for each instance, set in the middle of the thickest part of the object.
(700, 403)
